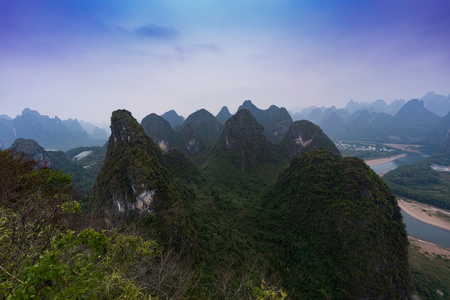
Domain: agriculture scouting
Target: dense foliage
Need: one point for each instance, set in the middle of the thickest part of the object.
(431, 274)
(219, 226)
(336, 230)
(40, 257)
(420, 182)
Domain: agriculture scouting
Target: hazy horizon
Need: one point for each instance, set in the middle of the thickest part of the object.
(85, 59)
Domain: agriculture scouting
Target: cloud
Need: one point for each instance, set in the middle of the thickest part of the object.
(157, 32)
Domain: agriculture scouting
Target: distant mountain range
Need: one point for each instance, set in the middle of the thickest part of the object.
(412, 123)
(50, 133)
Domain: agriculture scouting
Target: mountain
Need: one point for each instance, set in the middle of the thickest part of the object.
(73, 125)
(134, 182)
(415, 112)
(304, 136)
(6, 133)
(51, 133)
(199, 133)
(93, 131)
(297, 116)
(173, 118)
(365, 125)
(274, 120)
(243, 141)
(160, 131)
(377, 106)
(34, 152)
(395, 106)
(5, 117)
(243, 160)
(83, 164)
(333, 126)
(223, 115)
(416, 123)
(278, 124)
(444, 133)
(337, 229)
(438, 104)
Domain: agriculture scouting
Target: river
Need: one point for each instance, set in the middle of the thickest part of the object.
(415, 227)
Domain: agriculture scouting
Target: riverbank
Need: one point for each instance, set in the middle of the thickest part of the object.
(428, 247)
(379, 161)
(426, 213)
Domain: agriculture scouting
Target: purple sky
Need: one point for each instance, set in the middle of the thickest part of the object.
(85, 58)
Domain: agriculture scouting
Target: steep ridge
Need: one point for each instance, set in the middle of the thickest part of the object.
(160, 131)
(337, 229)
(303, 136)
(134, 181)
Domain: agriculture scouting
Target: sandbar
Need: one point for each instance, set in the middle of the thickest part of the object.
(426, 213)
(428, 247)
(379, 161)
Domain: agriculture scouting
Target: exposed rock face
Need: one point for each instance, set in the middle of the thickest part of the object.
(33, 151)
(339, 229)
(303, 136)
(244, 141)
(159, 130)
(133, 177)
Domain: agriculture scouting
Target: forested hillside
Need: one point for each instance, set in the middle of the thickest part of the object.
(240, 221)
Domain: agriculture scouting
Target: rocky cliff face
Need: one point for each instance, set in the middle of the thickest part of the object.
(303, 136)
(133, 177)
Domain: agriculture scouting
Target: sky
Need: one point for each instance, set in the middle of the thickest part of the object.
(86, 58)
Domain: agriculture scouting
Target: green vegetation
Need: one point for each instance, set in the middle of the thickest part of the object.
(335, 230)
(431, 274)
(421, 183)
(222, 227)
(41, 258)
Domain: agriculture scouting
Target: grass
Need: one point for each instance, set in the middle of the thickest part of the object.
(431, 273)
